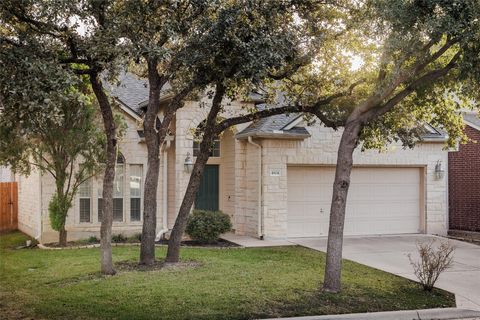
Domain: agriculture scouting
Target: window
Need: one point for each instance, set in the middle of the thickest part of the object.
(214, 151)
(117, 192)
(85, 197)
(100, 200)
(118, 189)
(135, 191)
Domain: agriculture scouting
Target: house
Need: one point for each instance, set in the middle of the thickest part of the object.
(273, 177)
(464, 182)
(6, 174)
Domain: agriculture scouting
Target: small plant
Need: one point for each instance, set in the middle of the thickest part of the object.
(206, 226)
(137, 237)
(434, 259)
(118, 238)
(93, 239)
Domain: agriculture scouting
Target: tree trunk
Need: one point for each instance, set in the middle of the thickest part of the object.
(147, 248)
(348, 143)
(173, 251)
(107, 195)
(62, 238)
(209, 134)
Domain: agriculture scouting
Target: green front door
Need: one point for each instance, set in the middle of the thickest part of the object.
(207, 195)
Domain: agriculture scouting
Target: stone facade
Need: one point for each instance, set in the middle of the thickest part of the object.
(321, 150)
(6, 175)
(241, 194)
(30, 203)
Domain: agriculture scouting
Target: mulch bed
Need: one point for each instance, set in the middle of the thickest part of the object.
(69, 244)
(221, 243)
(159, 265)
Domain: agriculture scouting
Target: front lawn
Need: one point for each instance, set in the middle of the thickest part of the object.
(230, 283)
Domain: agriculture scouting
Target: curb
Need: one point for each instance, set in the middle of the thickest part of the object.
(424, 314)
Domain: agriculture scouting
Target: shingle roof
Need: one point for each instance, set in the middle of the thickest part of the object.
(472, 118)
(274, 127)
(132, 92)
(129, 90)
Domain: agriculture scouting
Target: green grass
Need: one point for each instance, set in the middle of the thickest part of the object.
(230, 284)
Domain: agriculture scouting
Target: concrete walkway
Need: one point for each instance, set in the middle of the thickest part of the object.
(250, 242)
(427, 314)
(390, 253)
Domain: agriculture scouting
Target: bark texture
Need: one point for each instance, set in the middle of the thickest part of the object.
(62, 238)
(209, 134)
(147, 248)
(107, 195)
(333, 268)
(173, 251)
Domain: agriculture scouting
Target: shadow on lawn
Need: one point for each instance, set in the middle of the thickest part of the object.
(127, 266)
(316, 302)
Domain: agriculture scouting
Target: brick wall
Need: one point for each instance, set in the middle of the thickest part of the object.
(464, 184)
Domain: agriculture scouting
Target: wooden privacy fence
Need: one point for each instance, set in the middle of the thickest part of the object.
(8, 206)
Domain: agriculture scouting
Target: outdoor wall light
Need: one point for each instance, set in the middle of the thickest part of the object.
(188, 165)
(439, 171)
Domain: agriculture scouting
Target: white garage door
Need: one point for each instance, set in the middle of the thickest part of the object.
(380, 201)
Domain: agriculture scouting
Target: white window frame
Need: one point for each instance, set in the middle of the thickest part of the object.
(130, 165)
(90, 198)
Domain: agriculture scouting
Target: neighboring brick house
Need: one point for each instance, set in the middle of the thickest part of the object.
(273, 177)
(464, 180)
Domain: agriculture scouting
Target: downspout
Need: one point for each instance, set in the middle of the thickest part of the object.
(165, 193)
(40, 226)
(260, 188)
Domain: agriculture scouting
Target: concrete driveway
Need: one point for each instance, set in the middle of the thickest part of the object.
(389, 253)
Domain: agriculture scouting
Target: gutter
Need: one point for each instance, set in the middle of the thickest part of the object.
(164, 190)
(274, 135)
(260, 188)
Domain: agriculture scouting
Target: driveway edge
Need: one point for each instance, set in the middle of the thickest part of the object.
(424, 314)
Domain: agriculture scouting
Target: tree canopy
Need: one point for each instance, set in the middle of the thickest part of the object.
(47, 123)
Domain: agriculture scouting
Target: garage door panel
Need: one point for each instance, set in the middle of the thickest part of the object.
(381, 201)
(295, 191)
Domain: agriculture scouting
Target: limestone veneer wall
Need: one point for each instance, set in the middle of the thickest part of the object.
(321, 149)
(135, 152)
(29, 202)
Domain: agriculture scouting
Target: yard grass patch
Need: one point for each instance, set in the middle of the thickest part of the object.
(225, 284)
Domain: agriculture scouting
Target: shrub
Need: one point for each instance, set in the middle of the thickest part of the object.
(117, 238)
(93, 239)
(206, 226)
(137, 237)
(434, 259)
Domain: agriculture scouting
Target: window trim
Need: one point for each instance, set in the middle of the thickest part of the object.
(90, 207)
(196, 148)
(96, 196)
(130, 192)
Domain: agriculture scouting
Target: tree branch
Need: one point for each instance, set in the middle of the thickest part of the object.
(425, 79)
(313, 109)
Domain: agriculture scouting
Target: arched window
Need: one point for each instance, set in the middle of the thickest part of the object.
(120, 158)
(214, 151)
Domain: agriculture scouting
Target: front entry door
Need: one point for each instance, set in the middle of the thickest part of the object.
(207, 195)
